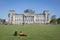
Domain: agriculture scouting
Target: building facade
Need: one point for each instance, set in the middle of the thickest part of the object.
(28, 17)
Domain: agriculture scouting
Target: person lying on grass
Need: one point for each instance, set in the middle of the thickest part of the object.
(22, 34)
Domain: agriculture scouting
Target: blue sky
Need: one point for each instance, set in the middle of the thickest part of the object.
(38, 5)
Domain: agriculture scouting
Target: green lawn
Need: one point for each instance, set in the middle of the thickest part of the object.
(34, 31)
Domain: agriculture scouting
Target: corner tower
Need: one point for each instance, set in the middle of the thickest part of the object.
(10, 16)
(46, 16)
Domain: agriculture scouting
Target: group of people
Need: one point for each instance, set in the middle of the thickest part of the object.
(20, 34)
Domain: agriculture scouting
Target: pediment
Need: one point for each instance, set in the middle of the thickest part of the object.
(29, 14)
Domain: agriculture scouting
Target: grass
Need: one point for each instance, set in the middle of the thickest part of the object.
(34, 31)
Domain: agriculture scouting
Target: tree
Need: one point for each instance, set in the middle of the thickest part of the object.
(2, 21)
(58, 20)
(53, 19)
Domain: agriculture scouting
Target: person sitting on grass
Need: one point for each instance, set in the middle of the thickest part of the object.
(15, 33)
(22, 34)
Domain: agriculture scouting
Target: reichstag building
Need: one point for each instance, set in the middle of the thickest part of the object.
(28, 17)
